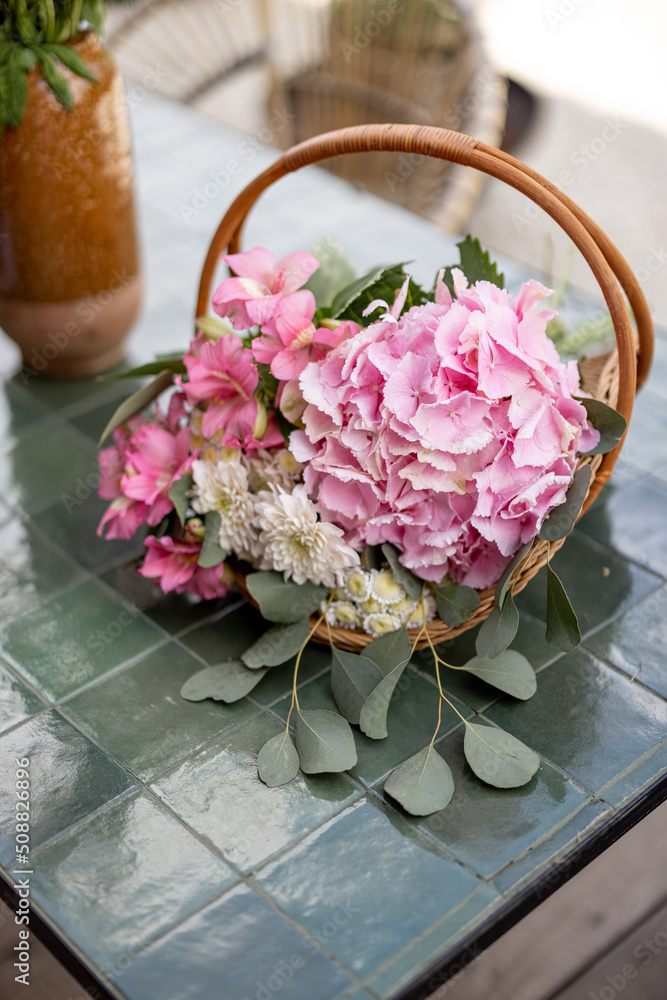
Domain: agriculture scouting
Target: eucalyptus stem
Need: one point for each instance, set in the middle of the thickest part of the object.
(295, 697)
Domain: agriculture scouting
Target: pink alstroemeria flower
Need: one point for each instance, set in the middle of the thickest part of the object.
(253, 296)
(174, 565)
(290, 341)
(155, 460)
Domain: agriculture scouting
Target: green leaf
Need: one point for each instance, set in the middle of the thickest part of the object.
(350, 292)
(55, 80)
(278, 761)
(562, 626)
(609, 422)
(497, 757)
(70, 57)
(402, 575)
(163, 363)
(423, 784)
(499, 629)
(371, 557)
(373, 715)
(324, 741)
(178, 494)
(456, 603)
(226, 682)
(510, 672)
(334, 273)
(277, 645)
(381, 283)
(353, 678)
(389, 650)
(211, 554)
(560, 521)
(504, 582)
(137, 402)
(16, 85)
(281, 601)
(476, 263)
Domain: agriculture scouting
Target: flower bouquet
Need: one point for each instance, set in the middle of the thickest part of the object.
(363, 463)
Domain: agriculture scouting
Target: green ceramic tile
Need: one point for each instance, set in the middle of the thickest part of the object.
(633, 522)
(646, 443)
(32, 568)
(277, 683)
(434, 944)
(219, 794)
(599, 583)
(74, 638)
(139, 716)
(61, 394)
(50, 461)
(228, 636)
(648, 769)
(123, 877)
(18, 411)
(17, 702)
(94, 421)
(487, 827)
(172, 612)
(636, 642)
(69, 778)
(587, 718)
(357, 865)
(72, 522)
(236, 948)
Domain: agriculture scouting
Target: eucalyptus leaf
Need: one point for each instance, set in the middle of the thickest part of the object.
(560, 521)
(423, 784)
(456, 603)
(609, 422)
(504, 582)
(497, 757)
(562, 625)
(401, 574)
(389, 650)
(211, 553)
(178, 494)
(373, 715)
(226, 682)
(499, 629)
(278, 761)
(334, 273)
(324, 741)
(282, 601)
(138, 401)
(276, 646)
(353, 678)
(510, 672)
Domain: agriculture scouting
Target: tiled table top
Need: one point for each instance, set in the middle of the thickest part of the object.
(158, 856)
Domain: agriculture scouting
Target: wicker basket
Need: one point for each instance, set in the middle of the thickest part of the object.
(615, 382)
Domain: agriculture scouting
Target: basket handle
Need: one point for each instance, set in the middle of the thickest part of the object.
(605, 261)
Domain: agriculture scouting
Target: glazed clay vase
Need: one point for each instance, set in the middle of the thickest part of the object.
(70, 286)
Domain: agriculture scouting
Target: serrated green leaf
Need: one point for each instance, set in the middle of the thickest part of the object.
(70, 57)
(389, 650)
(55, 80)
(278, 761)
(608, 421)
(373, 715)
(476, 263)
(456, 603)
(226, 682)
(382, 283)
(402, 575)
(211, 554)
(562, 625)
(423, 784)
(350, 292)
(353, 678)
(277, 645)
(499, 629)
(334, 273)
(163, 363)
(324, 741)
(497, 757)
(560, 521)
(281, 601)
(504, 582)
(137, 402)
(178, 494)
(510, 672)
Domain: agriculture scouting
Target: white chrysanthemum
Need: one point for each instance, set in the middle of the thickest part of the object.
(343, 613)
(295, 543)
(381, 623)
(385, 587)
(404, 609)
(358, 585)
(372, 606)
(223, 486)
(266, 470)
(424, 611)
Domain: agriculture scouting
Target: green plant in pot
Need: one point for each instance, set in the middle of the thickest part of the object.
(70, 284)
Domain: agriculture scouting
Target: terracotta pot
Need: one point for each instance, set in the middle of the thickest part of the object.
(70, 286)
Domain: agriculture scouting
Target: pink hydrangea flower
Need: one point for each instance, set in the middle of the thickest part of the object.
(261, 284)
(173, 564)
